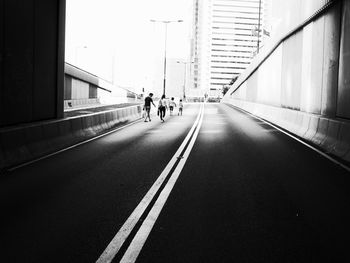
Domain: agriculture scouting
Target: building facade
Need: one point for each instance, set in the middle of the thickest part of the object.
(226, 36)
(200, 48)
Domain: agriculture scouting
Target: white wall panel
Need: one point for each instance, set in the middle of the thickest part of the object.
(269, 79)
(80, 89)
(331, 61)
(344, 65)
(306, 96)
(312, 66)
(291, 72)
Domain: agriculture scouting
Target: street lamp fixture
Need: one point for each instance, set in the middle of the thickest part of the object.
(165, 22)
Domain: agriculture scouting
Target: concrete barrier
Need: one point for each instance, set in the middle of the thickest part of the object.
(298, 123)
(2, 157)
(28, 142)
(34, 139)
(76, 128)
(332, 136)
(65, 136)
(342, 146)
(304, 125)
(14, 146)
(312, 129)
(321, 131)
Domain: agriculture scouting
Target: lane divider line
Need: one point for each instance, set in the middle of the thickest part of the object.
(71, 147)
(116, 243)
(141, 236)
(296, 138)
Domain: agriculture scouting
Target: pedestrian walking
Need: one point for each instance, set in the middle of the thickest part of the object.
(147, 106)
(172, 105)
(181, 106)
(162, 106)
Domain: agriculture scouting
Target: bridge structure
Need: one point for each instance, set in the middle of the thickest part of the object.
(300, 81)
(262, 176)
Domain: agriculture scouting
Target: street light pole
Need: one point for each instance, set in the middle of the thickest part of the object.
(165, 22)
(184, 86)
(164, 74)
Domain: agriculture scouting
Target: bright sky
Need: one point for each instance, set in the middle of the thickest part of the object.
(99, 30)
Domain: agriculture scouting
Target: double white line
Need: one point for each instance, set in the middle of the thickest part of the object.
(176, 165)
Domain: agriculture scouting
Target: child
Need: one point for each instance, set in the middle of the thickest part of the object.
(172, 104)
(180, 108)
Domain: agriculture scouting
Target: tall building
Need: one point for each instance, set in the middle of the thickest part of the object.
(226, 36)
(200, 48)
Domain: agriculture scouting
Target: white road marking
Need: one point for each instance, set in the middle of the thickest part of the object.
(118, 240)
(141, 236)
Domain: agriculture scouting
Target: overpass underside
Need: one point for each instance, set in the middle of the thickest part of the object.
(301, 82)
(32, 37)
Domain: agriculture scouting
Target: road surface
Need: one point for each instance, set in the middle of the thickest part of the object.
(213, 185)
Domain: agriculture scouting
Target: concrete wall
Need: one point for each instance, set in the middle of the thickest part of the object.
(302, 83)
(83, 89)
(343, 97)
(80, 85)
(301, 73)
(289, 14)
(27, 142)
(31, 60)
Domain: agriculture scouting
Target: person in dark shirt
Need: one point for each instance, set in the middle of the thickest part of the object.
(147, 107)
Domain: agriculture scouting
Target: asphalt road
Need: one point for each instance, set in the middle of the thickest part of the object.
(246, 193)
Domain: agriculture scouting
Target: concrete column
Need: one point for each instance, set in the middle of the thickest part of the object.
(2, 5)
(331, 61)
(343, 109)
(61, 41)
(31, 60)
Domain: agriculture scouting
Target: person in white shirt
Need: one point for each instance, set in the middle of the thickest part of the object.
(162, 106)
(172, 104)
